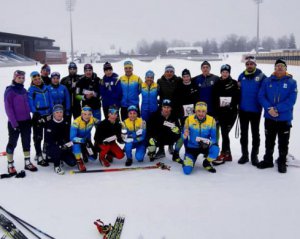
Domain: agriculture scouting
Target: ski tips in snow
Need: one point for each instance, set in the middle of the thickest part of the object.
(159, 165)
(9, 228)
(111, 231)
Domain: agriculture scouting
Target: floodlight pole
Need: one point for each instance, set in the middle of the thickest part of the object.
(258, 2)
(70, 7)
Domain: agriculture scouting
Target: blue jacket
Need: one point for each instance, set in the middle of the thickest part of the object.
(205, 85)
(131, 88)
(111, 91)
(149, 97)
(280, 94)
(250, 85)
(40, 100)
(60, 95)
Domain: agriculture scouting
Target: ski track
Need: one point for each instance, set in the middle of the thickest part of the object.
(239, 201)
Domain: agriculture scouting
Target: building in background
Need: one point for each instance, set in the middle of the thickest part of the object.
(39, 49)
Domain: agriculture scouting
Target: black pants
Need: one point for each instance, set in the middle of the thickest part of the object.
(38, 134)
(124, 113)
(282, 130)
(13, 135)
(253, 119)
(76, 110)
(56, 155)
(226, 122)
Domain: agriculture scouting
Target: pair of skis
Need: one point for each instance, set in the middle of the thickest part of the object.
(13, 232)
(157, 166)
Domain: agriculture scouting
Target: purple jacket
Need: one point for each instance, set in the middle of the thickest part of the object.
(16, 104)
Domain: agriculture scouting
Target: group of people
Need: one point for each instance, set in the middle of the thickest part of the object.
(175, 112)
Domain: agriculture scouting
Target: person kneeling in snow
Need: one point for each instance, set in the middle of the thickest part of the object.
(58, 145)
(107, 132)
(80, 135)
(133, 134)
(200, 137)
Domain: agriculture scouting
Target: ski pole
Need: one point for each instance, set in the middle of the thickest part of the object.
(24, 222)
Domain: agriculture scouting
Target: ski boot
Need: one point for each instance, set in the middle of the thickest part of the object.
(176, 158)
(59, 170)
(41, 161)
(104, 162)
(128, 162)
(219, 160)
(206, 165)
(80, 165)
(29, 166)
(11, 168)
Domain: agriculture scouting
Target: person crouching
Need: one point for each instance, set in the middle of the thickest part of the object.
(200, 137)
(107, 132)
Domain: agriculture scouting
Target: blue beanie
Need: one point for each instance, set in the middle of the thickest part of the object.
(57, 107)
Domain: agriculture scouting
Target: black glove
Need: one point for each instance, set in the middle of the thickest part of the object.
(203, 145)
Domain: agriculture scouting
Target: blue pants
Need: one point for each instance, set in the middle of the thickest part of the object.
(191, 155)
(139, 152)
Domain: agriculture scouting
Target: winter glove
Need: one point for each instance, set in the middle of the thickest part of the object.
(152, 142)
(175, 130)
(67, 146)
(139, 132)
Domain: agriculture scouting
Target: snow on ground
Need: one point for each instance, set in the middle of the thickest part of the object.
(236, 202)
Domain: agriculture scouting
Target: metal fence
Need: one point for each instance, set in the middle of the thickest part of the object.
(291, 57)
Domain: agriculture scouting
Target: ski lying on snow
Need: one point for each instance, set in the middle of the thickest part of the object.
(115, 233)
(158, 165)
(10, 229)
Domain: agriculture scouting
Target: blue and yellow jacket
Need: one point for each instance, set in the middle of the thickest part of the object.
(131, 88)
(280, 94)
(149, 97)
(81, 130)
(205, 129)
(60, 95)
(40, 100)
(250, 84)
(135, 129)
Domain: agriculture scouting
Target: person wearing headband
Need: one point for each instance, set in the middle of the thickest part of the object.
(131, 88)
(250, 81)
(17, 109)
(57, 138)
(149, 96)
(134, 135)
(41, 105)
(45, 74)
(107, 133)
(277, 95)
(200, 137)
(80, 135)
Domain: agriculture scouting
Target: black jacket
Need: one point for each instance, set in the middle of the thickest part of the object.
(106, 129)
(166, 87)
(226, 97)
(57, 133)
(89, 84)
(46, 80)
(185, 95)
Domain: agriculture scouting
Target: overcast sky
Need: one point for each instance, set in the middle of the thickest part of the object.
(98, 24)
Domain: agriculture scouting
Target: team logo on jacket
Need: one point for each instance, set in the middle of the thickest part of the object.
(285, 85)
(257, 78)
(211, 82)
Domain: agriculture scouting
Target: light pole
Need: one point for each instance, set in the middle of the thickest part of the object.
(70, 4)
(258, 2)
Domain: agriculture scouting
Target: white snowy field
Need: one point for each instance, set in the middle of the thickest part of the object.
(238, 202)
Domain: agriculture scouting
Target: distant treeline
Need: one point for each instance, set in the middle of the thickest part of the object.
(232, 43)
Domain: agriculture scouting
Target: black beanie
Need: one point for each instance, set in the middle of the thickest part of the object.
(205, 63)
(280, 61)
(107, 66)
(225, 67)
(186, 72)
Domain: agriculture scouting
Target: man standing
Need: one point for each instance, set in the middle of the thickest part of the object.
(205, 82)
(278, 96)
(87, 90)
(110, 89)
(131, 88)
(70, 82)
(167, 84)
(250, 110)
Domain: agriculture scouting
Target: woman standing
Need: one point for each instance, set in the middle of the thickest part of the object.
(19, 121)
(226, 96)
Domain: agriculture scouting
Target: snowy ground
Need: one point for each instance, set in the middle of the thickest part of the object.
(236, 202)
